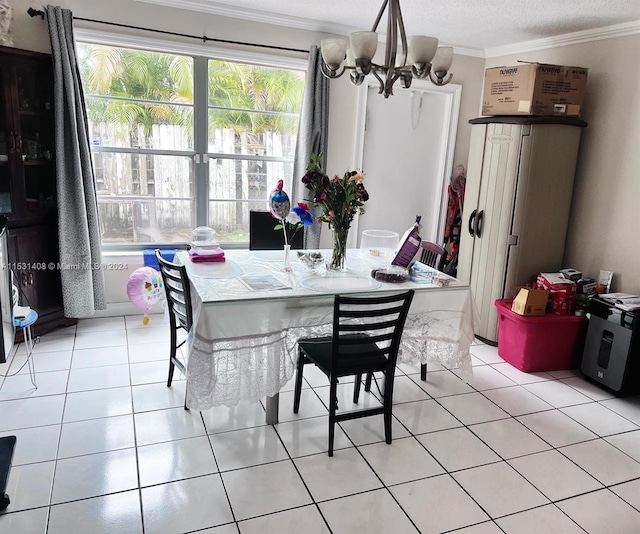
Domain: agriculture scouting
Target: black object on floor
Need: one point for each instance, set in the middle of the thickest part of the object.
(7, 445)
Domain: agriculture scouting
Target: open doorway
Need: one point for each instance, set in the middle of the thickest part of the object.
(405, 145)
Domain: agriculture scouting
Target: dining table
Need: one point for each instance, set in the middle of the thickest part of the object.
(249, 311)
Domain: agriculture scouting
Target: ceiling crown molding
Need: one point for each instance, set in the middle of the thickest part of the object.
(608, 32)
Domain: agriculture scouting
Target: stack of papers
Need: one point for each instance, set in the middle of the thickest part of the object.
(623, 301)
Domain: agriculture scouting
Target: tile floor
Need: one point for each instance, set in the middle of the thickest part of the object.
(105, 447)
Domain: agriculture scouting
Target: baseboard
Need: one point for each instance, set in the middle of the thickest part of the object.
(117, 309)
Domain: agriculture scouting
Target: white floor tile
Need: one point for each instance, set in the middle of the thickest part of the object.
(152, 372)
(414, 367)
(248, 447)
(50, 361)
(603, 461)
(153, 334)
(29, 486)
(486, 353)
(424, 500)
(443, 383)
(99, 357)
(175, 460)
(486, 377)
(473, 408)
(554, 475)
(158, 396)
(100, 515)
(344, 393)
(304, 519)
(403, 460)
(628, 407)
(488, 527)
(556, 428)
(112, 376)
(28, 413)
(629, 443)
(167, 425)
(499, 489)
(101, 323)
(185, 505)
(38, 444)
(630, 492)
(591, 390)
(27, 522)
(599, 419)
(517, 401)
(21, 387)
(93, 475)
(243, 415)
(404, 390)
(547, 519)
(602, 512)
(273, 487)
(373, 511)
(150, 352)
(425, 416)
(371, 429)
(311, 436)
(343, 474)
(518, 376)
(96, 435)
(557, 394)
(565, 373)
(53, 342)
(458, 448)
(509, 438)
(310, 406)
(100, 338)
(99, 403)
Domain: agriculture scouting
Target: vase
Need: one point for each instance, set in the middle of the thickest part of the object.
(339, 254)
(287, 260)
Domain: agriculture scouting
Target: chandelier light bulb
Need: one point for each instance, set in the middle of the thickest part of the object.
(333, 52)
(422, 48)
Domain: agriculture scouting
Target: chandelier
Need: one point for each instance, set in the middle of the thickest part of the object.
(422, 58)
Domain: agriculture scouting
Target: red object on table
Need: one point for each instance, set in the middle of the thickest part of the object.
(208, 256)
(544, 343)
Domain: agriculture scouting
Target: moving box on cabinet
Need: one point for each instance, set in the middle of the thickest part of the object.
(534, 89)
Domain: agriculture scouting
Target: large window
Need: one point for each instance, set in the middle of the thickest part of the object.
(183, 141)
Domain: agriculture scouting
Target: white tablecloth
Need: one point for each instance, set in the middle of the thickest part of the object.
(243, 344)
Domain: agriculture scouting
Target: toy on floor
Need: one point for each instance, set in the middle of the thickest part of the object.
(144, 289)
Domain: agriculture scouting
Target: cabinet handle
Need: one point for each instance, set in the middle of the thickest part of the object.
(471, 222)
(30, 278)
(479, 224)
(19, 143)
(12, 142)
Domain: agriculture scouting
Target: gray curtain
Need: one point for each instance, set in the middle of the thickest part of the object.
(312, 135)
(83, 288)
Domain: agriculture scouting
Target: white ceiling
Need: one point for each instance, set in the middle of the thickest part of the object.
(472, 25)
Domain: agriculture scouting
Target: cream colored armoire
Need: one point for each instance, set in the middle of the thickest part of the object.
(516, 208)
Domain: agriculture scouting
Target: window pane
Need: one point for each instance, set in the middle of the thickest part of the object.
(245, 179)
(144, 198)
(155, 126)
(230, 220)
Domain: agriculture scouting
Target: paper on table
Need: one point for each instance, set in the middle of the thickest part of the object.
(264, 282)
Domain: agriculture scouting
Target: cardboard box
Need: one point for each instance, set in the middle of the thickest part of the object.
(534, 89)
(530, 302)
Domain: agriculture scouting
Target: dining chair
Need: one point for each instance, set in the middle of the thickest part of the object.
(365, 339)
(262, 236)
(178, 292)
(430, 255)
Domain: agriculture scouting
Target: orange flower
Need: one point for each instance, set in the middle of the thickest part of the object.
(356, 178)
(331, 215)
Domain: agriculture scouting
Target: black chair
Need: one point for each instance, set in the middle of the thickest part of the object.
(366, 339)
(178, 292)
(430, 255)
(262, 236)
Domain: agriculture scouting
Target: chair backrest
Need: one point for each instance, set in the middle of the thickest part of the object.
(369, 326)
(262, 236)
(178, 291)
(431, 253)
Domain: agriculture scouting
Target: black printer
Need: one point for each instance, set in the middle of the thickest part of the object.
(611, 354)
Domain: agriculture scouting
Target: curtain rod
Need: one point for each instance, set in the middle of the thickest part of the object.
(38, 13)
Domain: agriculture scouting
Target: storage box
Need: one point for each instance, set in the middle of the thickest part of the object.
(530, 302)
(150, 259)
(534, 89)
(547, 343)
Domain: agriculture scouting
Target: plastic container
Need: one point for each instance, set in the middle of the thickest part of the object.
(546, 343)
(203, 236)
(379, 245)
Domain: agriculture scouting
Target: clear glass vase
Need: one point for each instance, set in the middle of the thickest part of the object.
(287, 260)
(339, 255)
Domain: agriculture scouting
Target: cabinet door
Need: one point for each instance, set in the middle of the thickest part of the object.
(7, 139)
(33, 254)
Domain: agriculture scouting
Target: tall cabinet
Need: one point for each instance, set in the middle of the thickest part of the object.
(516, 209)
(28, 182)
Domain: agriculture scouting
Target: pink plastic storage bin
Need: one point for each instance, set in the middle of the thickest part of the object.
(546, 343)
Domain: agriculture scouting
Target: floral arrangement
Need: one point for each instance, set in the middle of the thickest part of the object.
(291, 228)
(340, 199)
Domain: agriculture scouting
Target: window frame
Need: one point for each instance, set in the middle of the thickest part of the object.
(201, 54)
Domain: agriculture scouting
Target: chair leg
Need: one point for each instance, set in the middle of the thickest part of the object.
(298, 388)
(367, 383)
(356, 388)
(423, 372)
(388, 398)
(172, 355)
(333, 403)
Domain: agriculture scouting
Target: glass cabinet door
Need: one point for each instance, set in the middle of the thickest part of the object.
(7, 143)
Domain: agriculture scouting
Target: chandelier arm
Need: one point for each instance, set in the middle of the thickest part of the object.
(375, 24)
(439, 80)
(331, 73)
(380, 80)
(403, 33)
(392, 38)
